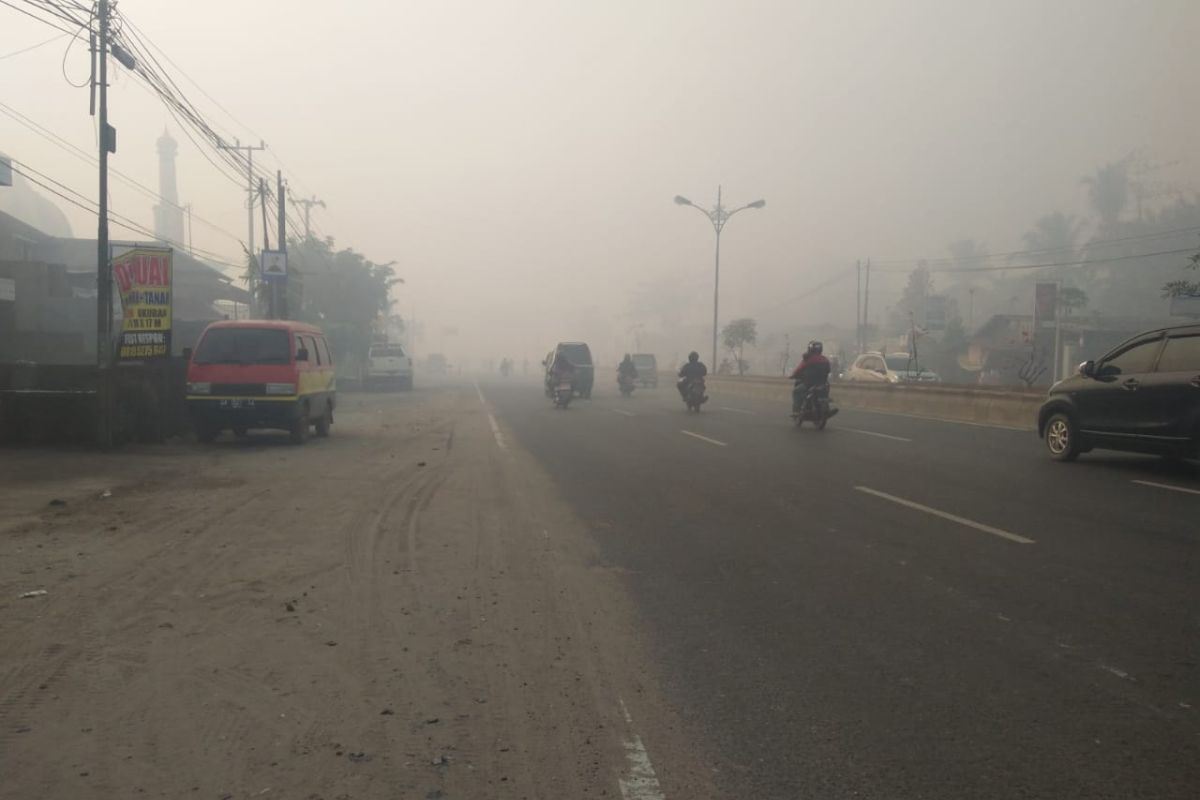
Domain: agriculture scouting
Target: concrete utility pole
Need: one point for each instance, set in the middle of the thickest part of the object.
(308, 203)
(105, 390)
(858, 330)
(248, 149)
(718, 216)
(281, 302)
(867, 304)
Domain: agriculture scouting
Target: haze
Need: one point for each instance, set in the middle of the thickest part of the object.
(518, 160)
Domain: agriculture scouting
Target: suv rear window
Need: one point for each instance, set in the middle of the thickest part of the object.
(244, 346)
(387, 351)
(1182, 354)
(577, 354)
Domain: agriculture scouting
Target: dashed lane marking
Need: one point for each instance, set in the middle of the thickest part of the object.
(639, 781)
(622, 411)
(491, 420)
(738, 411)
(704, 438)
(874, 433)
(970, 523)
(1183, 489)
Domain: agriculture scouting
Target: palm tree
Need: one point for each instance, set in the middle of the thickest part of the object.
(1108, 191)
(1054, 237)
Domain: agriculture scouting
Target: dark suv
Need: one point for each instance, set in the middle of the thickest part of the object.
(580, 355)
(1143, 396)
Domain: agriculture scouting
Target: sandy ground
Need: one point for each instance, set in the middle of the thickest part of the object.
(404, 610)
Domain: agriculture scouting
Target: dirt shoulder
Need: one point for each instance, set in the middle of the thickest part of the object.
(403, 610)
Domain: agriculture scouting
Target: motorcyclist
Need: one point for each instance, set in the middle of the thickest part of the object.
(627, 369)
(812, 372)
(694, 369)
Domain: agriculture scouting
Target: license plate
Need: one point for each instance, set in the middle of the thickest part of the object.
(237, 403)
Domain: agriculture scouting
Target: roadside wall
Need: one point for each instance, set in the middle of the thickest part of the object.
(43, 403)
(1008, 408)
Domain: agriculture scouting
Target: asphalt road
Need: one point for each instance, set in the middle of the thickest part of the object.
(893, 607)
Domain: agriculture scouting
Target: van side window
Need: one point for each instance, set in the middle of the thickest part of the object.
(316, 351)
(304, 343)
(324, 347)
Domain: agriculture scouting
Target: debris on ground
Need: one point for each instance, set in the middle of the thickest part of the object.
(440, 761)
(34, 593)
(57, 503)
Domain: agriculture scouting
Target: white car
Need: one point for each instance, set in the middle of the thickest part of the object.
(888, 368)
(389, 364)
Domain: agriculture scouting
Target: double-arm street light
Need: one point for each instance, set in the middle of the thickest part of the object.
(718, 216)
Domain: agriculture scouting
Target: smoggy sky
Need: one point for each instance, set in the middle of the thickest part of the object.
(518, 159)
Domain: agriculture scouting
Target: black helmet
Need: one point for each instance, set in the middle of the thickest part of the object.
(693, 356)
(815, 347)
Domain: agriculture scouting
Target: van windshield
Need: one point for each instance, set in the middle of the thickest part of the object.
(392, 351)
(243, 346)
(900, 363)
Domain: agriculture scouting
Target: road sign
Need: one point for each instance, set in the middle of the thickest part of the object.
(274, 265)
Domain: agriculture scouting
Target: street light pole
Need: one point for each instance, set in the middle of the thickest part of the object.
(718, 216)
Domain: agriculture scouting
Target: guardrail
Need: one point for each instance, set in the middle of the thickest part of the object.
(1004, 407)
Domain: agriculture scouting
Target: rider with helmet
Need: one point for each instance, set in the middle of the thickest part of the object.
(812, 372)
(692, 370)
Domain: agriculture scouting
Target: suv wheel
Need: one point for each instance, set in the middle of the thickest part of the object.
(1062, 438)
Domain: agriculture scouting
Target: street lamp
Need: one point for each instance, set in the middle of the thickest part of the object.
(718, 216)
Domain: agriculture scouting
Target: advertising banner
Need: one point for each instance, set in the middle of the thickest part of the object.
(1045, 304)
(143, 277)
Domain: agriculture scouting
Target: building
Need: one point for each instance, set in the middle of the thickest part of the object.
(48, 296)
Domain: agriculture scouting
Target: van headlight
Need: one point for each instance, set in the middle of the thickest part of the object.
(281, 388)
(202, 387)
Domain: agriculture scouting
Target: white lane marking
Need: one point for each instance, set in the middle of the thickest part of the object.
(939, 419)
(491, 420)
(639, 781)
(622, 411)
(873, 433)
(704, 438)
(970, 523)
(738, 410)
(1169, 486)
(1120, 673)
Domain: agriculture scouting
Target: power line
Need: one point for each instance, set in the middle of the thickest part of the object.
(83, 203)
(33, 46)
(1083, 263)
(83, 155)
(31, 15)
(1042, 251)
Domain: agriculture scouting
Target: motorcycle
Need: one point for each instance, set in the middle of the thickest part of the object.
(563, 392)
(626, 384)
(693, 394)
(814, 407)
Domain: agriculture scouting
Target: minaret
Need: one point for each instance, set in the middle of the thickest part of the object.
(168, 216)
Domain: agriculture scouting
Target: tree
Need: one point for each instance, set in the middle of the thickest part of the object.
(1054, 237)
(1071, 299)
(1184, 288)
(1108, 191)
(736, 335)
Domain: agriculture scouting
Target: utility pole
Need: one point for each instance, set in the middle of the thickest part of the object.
(858, 333)
(867, 304)
(272, 293)
(249, 151)
(308, 203)
(104, 387)
(281, 196)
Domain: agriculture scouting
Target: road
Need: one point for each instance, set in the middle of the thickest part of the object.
(466, 593)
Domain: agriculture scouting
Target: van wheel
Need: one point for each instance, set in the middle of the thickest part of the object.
(207, 433)
(1062, 438)
(324, 421)
(299, 429)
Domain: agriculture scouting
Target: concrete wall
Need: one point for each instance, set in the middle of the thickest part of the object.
(1008, 408)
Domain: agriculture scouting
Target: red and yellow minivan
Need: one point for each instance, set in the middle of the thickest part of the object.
(261, 374)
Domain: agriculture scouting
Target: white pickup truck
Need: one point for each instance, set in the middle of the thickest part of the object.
(388, 364)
